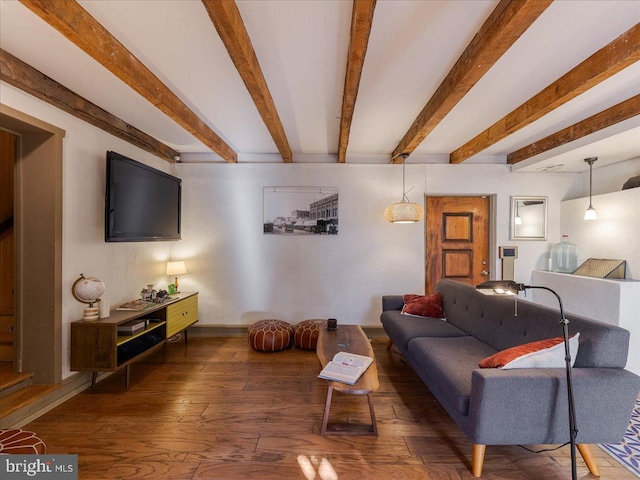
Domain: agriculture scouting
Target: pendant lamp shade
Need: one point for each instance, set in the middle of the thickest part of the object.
(404, 211)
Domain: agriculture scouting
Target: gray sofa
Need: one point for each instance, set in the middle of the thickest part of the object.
(518, 406)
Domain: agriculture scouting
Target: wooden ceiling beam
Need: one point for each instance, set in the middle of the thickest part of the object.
(606, 62)
(75, 23)
(228, 22)
(616, 114)
(508, 21)
(361, 22)
(23, 76)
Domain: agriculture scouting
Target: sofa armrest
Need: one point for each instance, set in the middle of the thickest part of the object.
(530, 406)
(392, 302)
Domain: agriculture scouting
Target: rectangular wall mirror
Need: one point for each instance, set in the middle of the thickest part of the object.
(528, 220)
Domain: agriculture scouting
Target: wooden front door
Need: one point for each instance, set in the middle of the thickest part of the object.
(457, 240)
(7, 264)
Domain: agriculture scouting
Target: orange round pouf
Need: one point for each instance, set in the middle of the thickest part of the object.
(307, 332)
(270, 335)
(22, 442)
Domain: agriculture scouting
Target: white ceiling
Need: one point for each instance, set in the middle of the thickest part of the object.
(302, 49)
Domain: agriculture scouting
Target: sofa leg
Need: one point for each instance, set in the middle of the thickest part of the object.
(478, 459)
(587, 455)
(389, 344)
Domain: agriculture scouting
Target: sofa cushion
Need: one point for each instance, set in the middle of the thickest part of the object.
(402, 328)
(445, 366)
(423, 305)
(541, 354)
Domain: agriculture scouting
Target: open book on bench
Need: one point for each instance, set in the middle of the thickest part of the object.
(346, 368)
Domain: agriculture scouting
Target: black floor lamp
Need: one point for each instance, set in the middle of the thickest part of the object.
(508, 287)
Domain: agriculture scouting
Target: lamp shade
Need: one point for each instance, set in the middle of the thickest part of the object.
(590, 213)
(404, 212)
(176, 268)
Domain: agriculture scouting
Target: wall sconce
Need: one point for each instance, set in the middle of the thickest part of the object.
(174, 269)
(404, 211)
(590, 213)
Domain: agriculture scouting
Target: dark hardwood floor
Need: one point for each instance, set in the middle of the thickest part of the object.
(215, 409)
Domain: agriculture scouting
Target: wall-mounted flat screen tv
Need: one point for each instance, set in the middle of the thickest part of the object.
(142, 204)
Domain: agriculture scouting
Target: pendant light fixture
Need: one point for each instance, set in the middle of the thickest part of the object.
(590, 213)
(404, 211)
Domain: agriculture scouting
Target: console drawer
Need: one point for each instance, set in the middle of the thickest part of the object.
(181, 315)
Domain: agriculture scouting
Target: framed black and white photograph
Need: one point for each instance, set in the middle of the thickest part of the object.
(301, 210)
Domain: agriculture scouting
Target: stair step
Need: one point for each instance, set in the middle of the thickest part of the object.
(23, 398)
(11, 381)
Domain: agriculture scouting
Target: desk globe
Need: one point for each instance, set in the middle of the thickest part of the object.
(88, 290)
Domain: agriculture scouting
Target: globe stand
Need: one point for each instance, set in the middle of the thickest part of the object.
(91, 312)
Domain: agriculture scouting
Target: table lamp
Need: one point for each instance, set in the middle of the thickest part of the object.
(174, 269)
(509, 287)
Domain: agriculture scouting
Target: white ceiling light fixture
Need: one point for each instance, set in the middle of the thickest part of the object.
(590, 213)
(404, 211)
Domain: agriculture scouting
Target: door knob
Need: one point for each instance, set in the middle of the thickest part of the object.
(484, 273)
(484, 262)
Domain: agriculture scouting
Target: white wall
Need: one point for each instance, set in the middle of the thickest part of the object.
(244, 275)
(613, 235)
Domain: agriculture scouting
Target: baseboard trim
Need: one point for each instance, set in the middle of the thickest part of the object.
(241, 330)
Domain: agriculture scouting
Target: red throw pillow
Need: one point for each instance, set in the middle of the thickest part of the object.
(423, 305)
(547, 353)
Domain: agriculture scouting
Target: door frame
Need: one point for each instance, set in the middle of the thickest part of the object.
(492, 229)
(38, 245)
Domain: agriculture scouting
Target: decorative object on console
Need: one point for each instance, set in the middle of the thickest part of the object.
(88, 290)
(104, 307)
(512, 288)
(174, 269)
(423, 305)
(590, 213)
(148, 294)
(404, 211)
(602, 268)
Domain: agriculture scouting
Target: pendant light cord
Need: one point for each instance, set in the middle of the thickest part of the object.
(590, 182)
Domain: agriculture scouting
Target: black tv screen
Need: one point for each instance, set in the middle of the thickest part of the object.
(142, 203)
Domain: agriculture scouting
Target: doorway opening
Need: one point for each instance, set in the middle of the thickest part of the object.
(37, 245)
